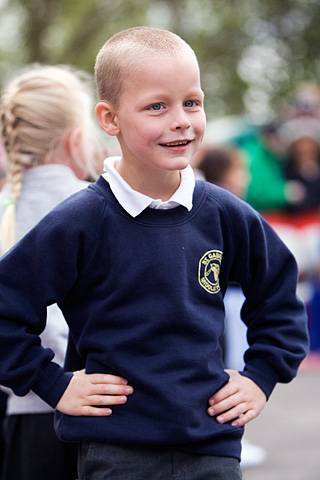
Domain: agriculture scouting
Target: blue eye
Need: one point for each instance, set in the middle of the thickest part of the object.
(190, 103)
(155, 106)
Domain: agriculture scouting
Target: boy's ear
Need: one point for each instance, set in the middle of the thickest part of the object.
(107, 118)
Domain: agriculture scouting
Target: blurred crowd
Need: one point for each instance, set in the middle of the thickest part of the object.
(276, 168)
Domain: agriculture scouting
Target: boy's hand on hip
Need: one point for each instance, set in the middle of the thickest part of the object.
(86, 392)
(239, 401)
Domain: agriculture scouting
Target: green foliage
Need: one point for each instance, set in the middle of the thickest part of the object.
(252, 53)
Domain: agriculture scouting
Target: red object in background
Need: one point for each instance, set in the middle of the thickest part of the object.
(299, 221)
(301, 233)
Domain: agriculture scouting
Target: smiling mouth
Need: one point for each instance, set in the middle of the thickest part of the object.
(176, 143)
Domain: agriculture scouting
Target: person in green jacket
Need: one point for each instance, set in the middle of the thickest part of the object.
(267, 190)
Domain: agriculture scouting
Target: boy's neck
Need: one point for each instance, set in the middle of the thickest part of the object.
(159, 185)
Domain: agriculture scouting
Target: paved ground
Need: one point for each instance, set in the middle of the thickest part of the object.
(289, 430)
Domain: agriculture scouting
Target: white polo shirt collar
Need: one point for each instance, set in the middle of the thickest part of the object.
(134, 202)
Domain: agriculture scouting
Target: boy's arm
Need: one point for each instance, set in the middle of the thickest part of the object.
(40, 270)
(275, 317)
(37, 272)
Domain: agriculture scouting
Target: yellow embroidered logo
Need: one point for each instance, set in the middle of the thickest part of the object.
(209, 270)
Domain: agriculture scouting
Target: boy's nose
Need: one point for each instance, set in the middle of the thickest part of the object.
(180, 122)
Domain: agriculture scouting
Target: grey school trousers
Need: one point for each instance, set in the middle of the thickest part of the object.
(100, 461)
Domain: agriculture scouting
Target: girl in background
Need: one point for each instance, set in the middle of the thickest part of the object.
(50, 141)
(3, 396)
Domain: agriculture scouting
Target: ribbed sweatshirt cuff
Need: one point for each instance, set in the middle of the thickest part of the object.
(262, 374)
(52, 383)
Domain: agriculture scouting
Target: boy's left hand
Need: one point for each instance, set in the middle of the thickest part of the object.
(238, 402)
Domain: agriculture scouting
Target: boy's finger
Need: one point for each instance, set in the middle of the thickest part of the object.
(89, 411)
(106, 378)
(224, 405)
(244, 419)
(98, 400)
(110, 389)
(225, 392)
(232, 414)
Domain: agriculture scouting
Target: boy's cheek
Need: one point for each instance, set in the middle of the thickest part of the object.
(201, 125)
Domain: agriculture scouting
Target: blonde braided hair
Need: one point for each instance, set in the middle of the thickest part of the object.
(9, 134)
(38, 108)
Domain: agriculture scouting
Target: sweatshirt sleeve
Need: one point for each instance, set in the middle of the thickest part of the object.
(275, 317)
(40, 270)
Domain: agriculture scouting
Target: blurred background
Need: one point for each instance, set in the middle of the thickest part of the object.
(253, 55)
(260, 64)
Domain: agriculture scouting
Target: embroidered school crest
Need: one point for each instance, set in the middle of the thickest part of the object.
(209, 270)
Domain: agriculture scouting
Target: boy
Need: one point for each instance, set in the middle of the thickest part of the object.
(139, 265)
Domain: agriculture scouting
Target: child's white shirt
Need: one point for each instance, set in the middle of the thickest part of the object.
(134, 202)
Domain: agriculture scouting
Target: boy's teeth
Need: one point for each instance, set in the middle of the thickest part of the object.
(173, 144)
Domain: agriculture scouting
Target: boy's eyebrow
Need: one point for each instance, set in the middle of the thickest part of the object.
(199, 93)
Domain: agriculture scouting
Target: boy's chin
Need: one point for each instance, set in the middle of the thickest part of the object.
(178, 163)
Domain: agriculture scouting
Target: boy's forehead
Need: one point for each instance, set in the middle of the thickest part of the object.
(156, 81)
(151, 66)
(151, 81)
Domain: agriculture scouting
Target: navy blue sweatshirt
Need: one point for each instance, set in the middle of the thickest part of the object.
(143, 298)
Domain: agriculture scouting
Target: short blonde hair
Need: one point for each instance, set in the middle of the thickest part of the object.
(126, 49)
(38, 107)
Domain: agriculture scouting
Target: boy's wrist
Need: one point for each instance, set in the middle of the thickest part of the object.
(52, 383)
(261, 373)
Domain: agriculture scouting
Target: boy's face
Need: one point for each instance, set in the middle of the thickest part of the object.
(160, 117)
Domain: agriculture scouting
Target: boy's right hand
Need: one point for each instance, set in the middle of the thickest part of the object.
(86, 392)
